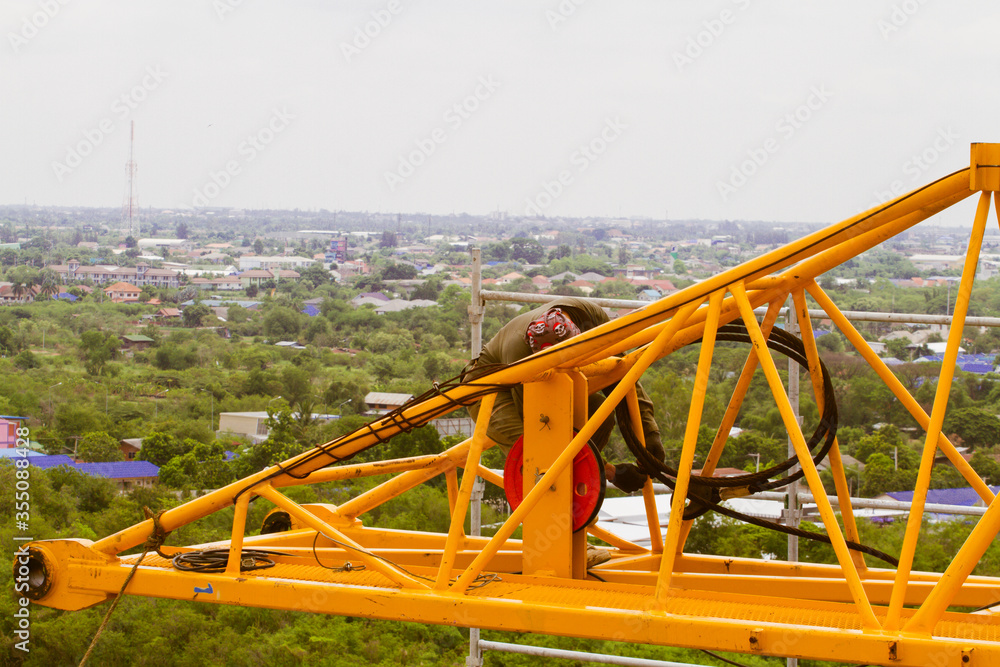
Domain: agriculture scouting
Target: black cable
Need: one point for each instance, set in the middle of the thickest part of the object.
(783, 343)
(719, 657)
(215, 560)
(704, 493)
(393, 421)
(346, 567)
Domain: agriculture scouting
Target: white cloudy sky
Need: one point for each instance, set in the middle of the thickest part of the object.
(683, 93)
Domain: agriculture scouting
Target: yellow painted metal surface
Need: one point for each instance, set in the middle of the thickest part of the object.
(845, 612)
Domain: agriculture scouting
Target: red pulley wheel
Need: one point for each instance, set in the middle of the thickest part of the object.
(588, 482)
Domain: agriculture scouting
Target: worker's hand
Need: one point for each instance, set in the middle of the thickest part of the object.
(627, 477)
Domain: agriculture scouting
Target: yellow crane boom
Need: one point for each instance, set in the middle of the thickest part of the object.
(847, 611)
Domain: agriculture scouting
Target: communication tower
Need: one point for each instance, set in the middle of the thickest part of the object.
(130, 207)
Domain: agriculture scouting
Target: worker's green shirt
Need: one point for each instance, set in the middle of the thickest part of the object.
(509, 346)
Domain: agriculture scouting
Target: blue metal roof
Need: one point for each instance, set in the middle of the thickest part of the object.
(977, 367)
(110, 469)
(965, 496)
(13, 453)
(119, 469)
(311, 310)
(51, 461)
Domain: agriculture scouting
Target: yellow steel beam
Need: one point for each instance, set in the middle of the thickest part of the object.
(938, 412)
(677, 502)
(836, 464)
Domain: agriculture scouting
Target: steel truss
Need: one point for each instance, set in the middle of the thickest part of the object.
(847, 611)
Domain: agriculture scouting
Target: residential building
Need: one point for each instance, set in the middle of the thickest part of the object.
(254, 262)
(256, 277)
(248, 424)
(136, 342)
(8, 430)
(140, 275)
(27, 294)
(122, 292)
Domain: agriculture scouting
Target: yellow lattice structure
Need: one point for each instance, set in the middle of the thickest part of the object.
(847, 612)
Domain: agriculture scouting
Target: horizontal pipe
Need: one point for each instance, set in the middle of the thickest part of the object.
(870, 503)
(856, 315)
(580, 655)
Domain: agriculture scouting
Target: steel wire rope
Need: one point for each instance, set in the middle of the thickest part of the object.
(707, 498)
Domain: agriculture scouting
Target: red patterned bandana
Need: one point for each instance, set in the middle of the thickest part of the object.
(553, 327)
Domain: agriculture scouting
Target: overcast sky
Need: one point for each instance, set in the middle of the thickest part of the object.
(731, 109)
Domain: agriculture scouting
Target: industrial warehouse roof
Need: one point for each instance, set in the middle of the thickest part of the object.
(110, 469)
(384, 398)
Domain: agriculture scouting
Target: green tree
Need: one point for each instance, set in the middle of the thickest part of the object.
(497, 252)
(975, 426)
(399, 272)
(97, 349)
(297, 389)
(197, 315)
(526, 250)
(179, 472)
(26, 360)
(986, 465)
(99, 446)
(282, 323)
(316, 275)
(879, 476)
(560, 252)
(159, 448)
(623, 255)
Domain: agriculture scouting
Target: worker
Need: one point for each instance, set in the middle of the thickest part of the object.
(531, 332)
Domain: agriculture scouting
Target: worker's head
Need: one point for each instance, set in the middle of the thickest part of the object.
(551, 328)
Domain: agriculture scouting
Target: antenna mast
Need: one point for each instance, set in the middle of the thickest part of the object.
(130, 208)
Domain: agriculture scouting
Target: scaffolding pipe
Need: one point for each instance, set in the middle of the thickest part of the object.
(857, 315)
(581, 656)
(868, 503)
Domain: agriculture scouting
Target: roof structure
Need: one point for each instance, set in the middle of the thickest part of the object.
(121, 286)
(51, 461)
(119, 469)
(397, 305)
(386, 398)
